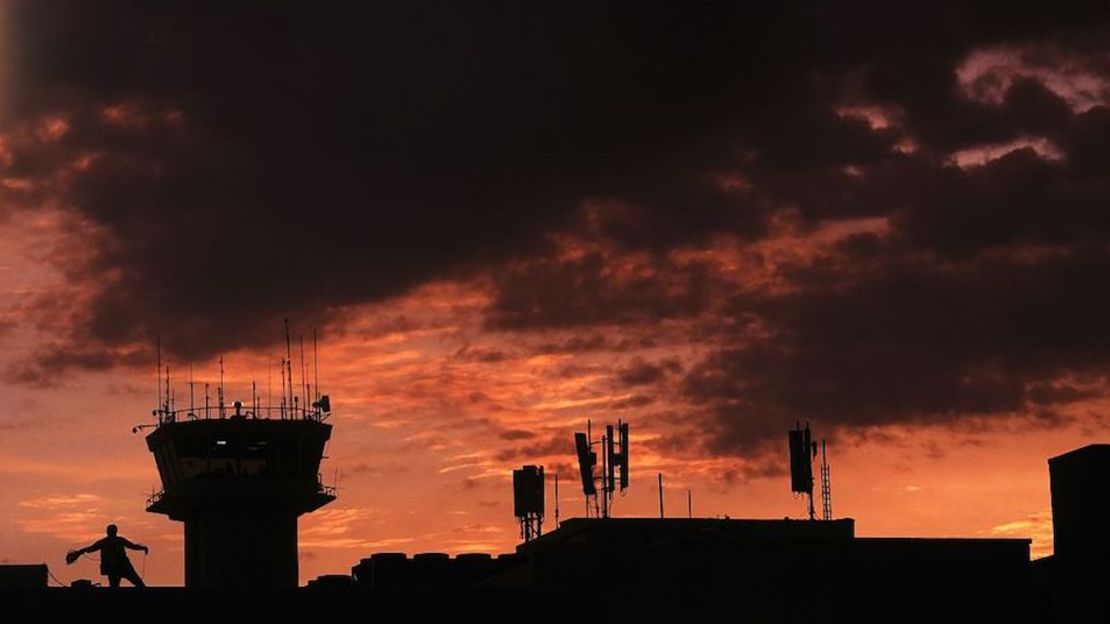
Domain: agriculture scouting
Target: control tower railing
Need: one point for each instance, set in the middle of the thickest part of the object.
(319, 412)
(322, 488)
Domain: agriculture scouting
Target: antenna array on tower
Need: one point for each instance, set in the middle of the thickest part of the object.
(309, 404)
(528, 501)
(803, 450)
(614, 462)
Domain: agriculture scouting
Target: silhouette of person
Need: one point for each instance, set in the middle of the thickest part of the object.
(113, 560)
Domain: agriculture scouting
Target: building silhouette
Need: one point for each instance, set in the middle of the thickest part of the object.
(1076, 577)
(239, 484)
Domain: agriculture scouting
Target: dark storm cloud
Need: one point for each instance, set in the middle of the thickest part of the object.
(984, 298)
(553, 445)
(587, 342)
(240, 166)
(914, 344)
(516, 434)
(289, 162)
(589, 291)
(641, 372)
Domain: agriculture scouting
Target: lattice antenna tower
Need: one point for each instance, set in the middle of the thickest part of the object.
(826, 484)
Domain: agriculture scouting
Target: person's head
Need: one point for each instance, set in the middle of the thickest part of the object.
(112, 530)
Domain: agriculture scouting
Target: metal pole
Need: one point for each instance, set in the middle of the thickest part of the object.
(192, 403)
(158, 384)
(604, 480)
(556, 500)
(220, 390)
(689, 504)
(289, 370)
(305, 401)
(661, 495)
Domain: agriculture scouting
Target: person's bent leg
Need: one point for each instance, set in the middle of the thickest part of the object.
(113, 580)
(132, 576)
(135, 579)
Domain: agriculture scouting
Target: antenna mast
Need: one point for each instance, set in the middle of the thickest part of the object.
(173, 399)
(220, 390)
(612, 461)
(661, 495)
(192, 402)
(289, 369)
(556, 500)
(826, 485)
(168, 400)
(158, 371)
(304, 377)
(605, 483)
(315, 365)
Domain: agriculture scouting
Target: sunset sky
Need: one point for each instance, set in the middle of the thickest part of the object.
(709, 220)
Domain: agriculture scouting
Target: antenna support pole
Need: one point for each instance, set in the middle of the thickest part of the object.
(604, 479)
(556, 500)
(661, 495)
(826, 485)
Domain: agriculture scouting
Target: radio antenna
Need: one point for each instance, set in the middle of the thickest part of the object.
(282, 366)
(192, 403)
(289, 368)
(169, 397)
(802, 452)
(660, 494)
(158, 369)
(220, 389)
(556, 500)
(304, 377)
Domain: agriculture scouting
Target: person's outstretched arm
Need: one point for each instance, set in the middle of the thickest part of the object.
(72, 555)
(91, 548)
(134, 546)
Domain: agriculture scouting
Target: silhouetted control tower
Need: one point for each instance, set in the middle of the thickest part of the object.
(239, 481)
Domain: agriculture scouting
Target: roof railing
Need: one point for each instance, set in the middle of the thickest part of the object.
(215, 412)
